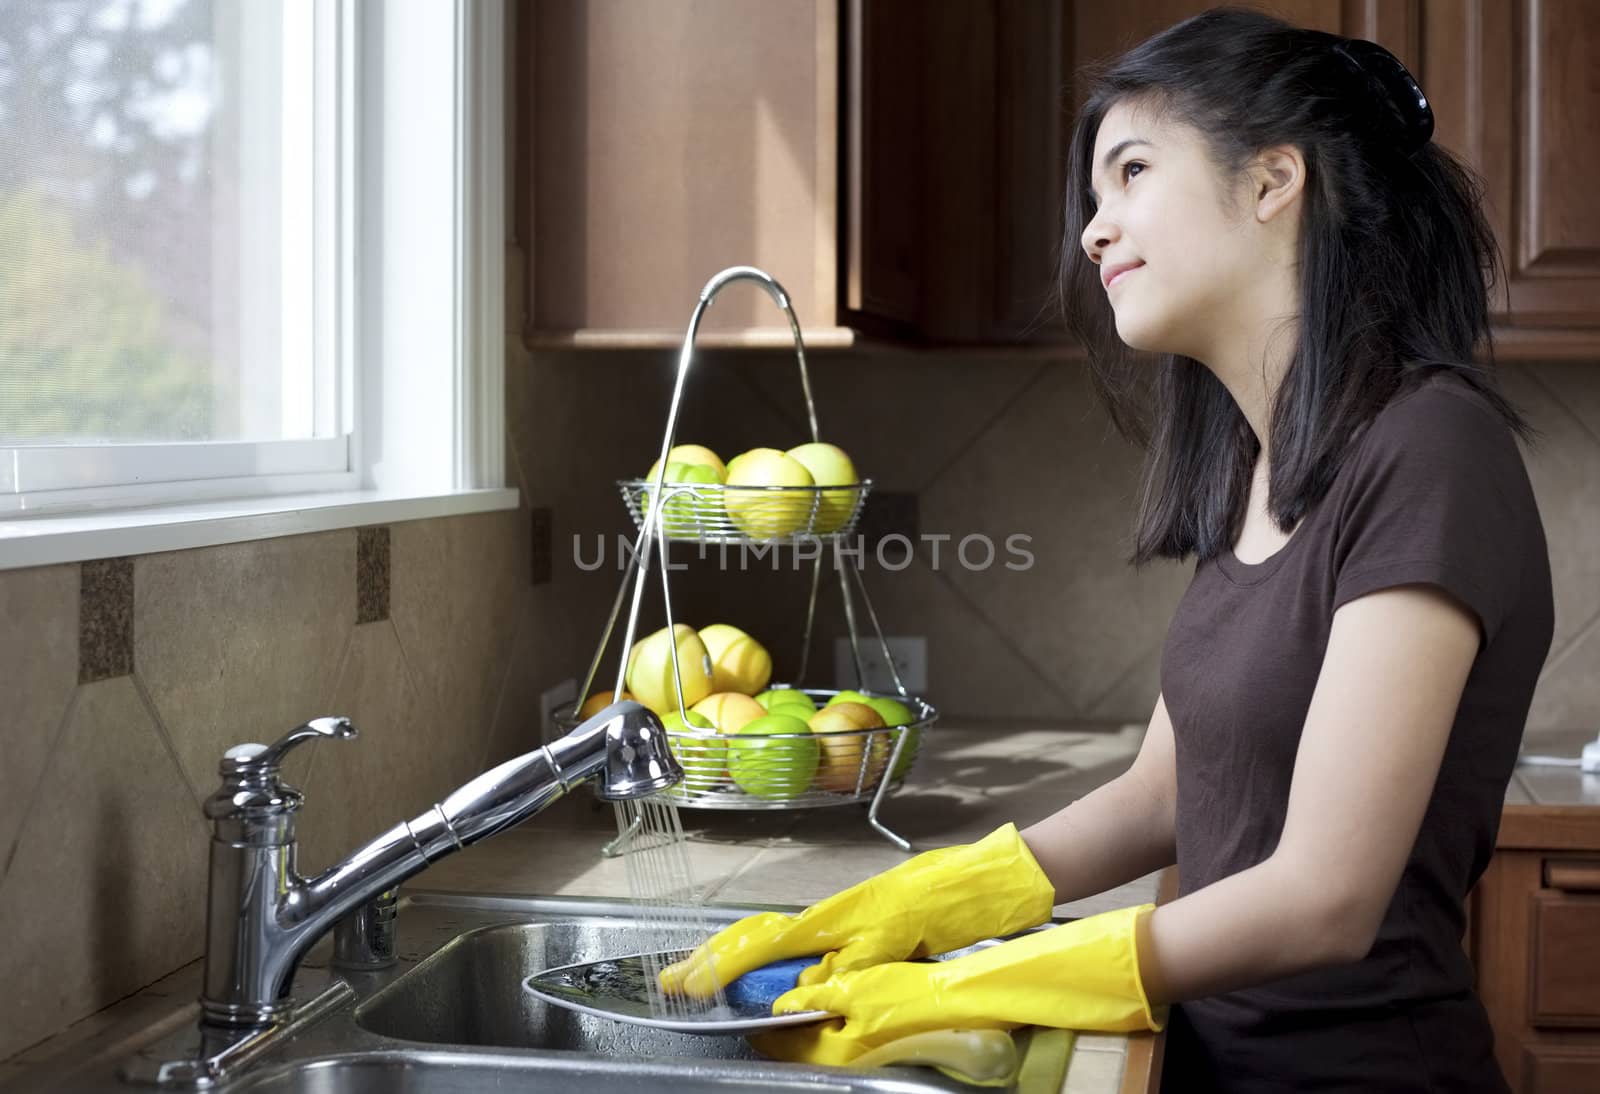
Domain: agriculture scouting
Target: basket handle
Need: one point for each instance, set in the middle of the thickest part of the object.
(652, 520)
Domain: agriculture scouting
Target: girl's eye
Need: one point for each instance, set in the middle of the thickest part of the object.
(1129, 166)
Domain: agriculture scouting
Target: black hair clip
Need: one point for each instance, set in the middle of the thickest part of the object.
(1404, 106)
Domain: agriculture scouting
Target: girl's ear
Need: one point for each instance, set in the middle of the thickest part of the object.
(1278, 176)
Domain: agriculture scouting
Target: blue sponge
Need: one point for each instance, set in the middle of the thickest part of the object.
(758, 988)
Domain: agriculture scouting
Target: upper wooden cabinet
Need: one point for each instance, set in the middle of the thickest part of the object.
(661, 142)
(894, 164)
(1514, 92)
(898, 165)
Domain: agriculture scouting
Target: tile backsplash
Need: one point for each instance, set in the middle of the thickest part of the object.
(991, 448)
(126, 679)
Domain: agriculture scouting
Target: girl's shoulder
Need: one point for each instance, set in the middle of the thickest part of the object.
(1443, 425)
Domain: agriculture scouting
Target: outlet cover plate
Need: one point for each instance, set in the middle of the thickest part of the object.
(910, 653)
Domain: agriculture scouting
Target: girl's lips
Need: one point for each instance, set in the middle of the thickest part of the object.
(1121, 275)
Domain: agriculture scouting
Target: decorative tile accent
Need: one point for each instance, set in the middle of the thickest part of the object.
(105, 620)
(372, 574)
(541, 544)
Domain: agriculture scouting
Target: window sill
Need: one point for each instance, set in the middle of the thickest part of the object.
(49, 539)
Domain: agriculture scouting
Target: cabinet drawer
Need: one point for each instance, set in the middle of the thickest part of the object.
(1560, 1069)
(1564, 945)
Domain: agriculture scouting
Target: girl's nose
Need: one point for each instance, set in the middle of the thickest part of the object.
(1096, 238)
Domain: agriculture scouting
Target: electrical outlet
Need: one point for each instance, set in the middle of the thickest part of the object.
(549, 701)
(910, 655)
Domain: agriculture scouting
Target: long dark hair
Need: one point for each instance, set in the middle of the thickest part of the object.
(1396, 261)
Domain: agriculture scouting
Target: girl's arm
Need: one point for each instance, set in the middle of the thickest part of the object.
(1120, 831)
(1380, 716)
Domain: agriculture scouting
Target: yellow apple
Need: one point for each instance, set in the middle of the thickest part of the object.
(691, 453)
(649, 674)
(738, 662)
(729, 711)
(722, 712)
(840, 763)
(598, 702)
(767, 514)
(768, 768)
(829, 466)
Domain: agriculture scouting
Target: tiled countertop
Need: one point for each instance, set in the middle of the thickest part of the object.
(1557, 786)
(967, 783)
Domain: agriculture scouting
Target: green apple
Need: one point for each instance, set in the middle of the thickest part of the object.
(896, 713)
(829, 466)
(767, 514)
(686, 514)
(777, 697)
(892, 711)
(649, 675)
(907, 753)
(738, 662)
(848, 696)
(768, 768)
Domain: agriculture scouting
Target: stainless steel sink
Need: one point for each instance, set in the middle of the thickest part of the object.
(470, 993)
(401, 1072)
(452, 1016)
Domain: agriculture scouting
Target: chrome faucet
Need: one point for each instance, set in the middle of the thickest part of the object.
(262, 916)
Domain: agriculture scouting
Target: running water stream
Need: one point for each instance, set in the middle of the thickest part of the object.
(671, 911)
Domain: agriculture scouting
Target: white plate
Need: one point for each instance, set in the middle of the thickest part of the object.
(616, 988)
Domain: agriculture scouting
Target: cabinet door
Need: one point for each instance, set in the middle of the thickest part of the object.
(1514, 91)
(882, 213)
(954, 117)
(663, 141)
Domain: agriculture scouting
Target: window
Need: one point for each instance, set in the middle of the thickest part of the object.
(243, 242)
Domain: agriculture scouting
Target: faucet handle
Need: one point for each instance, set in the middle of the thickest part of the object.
(261, 758)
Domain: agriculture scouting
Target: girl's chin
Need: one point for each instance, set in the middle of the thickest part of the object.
(1138, 332)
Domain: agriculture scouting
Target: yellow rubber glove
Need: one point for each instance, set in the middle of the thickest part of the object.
(1082, 975)
(937, 901)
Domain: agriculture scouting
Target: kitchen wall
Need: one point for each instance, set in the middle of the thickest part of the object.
(126, 679)
(994, 447)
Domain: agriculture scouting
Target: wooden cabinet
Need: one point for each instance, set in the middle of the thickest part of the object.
(661, 142)
(894, 164)
(1535, 942)
(898, 165)
(1513, 82)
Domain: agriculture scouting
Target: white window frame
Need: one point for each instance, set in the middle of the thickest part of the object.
(418, 323)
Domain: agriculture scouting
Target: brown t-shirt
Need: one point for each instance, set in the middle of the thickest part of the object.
(1434, 492)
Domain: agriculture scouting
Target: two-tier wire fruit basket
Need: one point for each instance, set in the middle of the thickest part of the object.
(778, 770)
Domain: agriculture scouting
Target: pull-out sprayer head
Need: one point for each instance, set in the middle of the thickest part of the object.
(638, 759)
